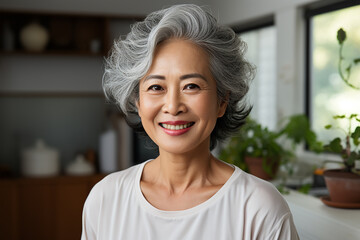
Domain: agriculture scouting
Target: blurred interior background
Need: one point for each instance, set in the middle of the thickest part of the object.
(59, 135)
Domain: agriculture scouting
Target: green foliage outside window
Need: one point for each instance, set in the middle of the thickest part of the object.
(330, 91)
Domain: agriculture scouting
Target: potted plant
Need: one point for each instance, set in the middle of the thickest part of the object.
(260, 151)
(255, 149)
(344, 184)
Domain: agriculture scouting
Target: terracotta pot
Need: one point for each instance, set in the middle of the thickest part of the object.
(256, 168)
(344, 187)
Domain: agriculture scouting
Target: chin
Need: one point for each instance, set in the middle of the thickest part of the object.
(184, 148)
(175, 149)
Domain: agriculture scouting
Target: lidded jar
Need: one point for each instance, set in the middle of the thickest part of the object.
(40, 160)
(80, 166)
(34, 37)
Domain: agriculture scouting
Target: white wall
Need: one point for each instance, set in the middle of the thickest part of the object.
(26, 73)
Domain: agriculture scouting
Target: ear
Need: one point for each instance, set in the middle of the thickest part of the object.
(137, 103)
(222, 108)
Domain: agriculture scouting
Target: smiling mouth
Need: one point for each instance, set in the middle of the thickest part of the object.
(176, 127)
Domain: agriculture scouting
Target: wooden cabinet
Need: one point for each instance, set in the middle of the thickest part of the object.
(43, 208)
(8, 210)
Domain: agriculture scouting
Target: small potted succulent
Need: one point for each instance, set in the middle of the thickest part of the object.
(260, 151)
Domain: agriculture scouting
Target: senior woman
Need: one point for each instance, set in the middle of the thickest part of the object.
(186, 78)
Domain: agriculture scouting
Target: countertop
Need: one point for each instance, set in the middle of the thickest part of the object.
(315, 220)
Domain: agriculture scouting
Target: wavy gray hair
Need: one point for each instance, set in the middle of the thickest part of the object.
(131, 58)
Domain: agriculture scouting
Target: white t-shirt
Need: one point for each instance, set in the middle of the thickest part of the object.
(245, 207)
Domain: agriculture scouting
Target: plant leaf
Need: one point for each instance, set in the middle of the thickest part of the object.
(356, 136)
(334, 146)
(339, 116)
(311, 140)
(354, 115)
(348, 69)
(305, 188)
(328, 126)
(296, 128)
(356, 60)
(341, 36)
(350, 161)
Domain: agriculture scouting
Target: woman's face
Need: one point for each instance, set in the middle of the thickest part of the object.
(178, 103)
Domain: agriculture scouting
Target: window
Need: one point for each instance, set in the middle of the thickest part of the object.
(327, 93)
(262, 53)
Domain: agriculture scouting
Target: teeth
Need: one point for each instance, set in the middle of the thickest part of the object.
(175, 127)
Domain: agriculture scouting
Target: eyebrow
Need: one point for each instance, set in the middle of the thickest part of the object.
(183, 77)
(154, 77)
(193, 75)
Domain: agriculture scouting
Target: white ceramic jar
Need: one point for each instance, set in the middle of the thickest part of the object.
(34, 37)
(80, 166)
(40, 160)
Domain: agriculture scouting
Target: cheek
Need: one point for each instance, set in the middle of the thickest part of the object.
(147, 107)
(207, 107)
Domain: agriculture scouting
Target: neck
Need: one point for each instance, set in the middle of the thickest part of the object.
(179, 172)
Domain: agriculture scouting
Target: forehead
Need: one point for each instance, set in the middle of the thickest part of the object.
(180, 45)
(180, 53)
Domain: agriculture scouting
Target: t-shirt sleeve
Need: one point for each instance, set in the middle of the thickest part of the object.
(104, 197)
(285, 230)
(90, 214)
(269, 216)
(87, 227)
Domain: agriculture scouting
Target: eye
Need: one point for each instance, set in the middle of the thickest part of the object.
(191, 86)
(155, 88)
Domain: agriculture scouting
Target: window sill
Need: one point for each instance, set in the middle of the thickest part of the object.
(315, 220)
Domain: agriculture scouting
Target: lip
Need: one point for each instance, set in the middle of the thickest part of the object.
(176, 122)
(176, 132)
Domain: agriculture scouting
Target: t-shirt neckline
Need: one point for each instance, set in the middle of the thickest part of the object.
(181, 213)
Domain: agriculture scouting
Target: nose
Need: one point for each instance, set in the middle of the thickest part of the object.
(174, 104)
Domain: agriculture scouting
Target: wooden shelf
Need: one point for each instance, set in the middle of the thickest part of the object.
(52, 52)
(68, 34)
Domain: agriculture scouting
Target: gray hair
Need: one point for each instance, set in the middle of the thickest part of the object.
(131, 58)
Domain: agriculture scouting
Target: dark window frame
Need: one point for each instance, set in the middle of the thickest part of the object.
(254, 24)
(308, 14)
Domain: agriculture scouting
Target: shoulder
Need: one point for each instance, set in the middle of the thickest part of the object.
(111, 186)
(104, 198)
(116, 180)
(109, 190)
(260, 195)
(266, 212)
